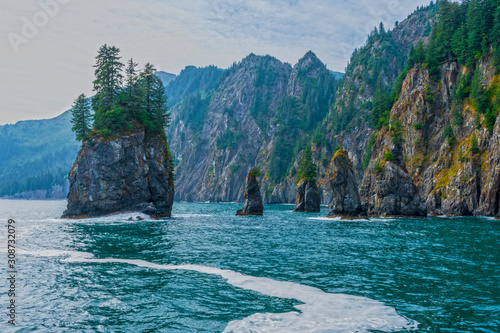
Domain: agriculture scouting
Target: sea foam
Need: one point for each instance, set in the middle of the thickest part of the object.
(320, 311)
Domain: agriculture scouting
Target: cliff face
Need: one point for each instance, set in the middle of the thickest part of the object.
(436, 152)
(347, 124)
(129, 173)
(257, 115)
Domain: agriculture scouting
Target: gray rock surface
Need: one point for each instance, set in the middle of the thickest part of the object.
(346, 200)
(253, 199)
(129, 173)
(391, 192)
(308, 197)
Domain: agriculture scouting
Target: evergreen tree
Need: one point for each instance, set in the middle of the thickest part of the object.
(476, 23)
(441, 38)
(307, 168)
(382, 104)
(474, 147)
(456, 113)
(133, 96)
(107, 83)
(160, 115)
(495, 36)
(459, 44)
(417, 54)
(490, 119)
(147, 81)
(448, 132)
(131, 73)
(80, 117)
(154, 111)
(478, 92)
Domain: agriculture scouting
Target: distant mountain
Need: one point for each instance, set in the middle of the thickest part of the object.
(265, 112)
(337, 75)
(36, 157)
(191, 81)
(165, 77)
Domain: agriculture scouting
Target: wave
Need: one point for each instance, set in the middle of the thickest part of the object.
(320, 311)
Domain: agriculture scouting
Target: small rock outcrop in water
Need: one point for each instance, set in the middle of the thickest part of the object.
(346, 201)
(129, 173)
(308, 197)
(253, 199)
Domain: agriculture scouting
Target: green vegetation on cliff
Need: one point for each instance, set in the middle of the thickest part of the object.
(466, 32)
(366, 93)
(298, 117)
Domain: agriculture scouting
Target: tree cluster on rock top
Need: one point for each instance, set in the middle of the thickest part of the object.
(121, 101)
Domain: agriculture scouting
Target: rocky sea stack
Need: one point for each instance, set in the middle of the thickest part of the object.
(308, 197)
(346, 201)
(253, 199)
(126, 173)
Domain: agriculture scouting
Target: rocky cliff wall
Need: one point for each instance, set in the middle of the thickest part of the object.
(436, 148)
(128, 173)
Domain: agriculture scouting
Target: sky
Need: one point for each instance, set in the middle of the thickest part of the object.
(48, 47)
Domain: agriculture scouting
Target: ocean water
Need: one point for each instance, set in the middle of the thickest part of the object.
(205, 270)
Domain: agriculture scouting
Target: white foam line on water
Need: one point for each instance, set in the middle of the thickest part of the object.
(339, 219)
(190, 215)
(320, 311)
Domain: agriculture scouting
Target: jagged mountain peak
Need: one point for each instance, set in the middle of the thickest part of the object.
(253, 60)
(309, 60)
(309, 56)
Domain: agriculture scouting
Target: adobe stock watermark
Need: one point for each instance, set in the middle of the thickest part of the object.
(30, 26)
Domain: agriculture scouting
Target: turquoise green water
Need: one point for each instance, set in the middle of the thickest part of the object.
(301, 273)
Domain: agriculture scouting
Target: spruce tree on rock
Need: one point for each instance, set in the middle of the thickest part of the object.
(132, 96)
(155, 99)
(81, 117)
(107, 84)
(307, 169)
(159, 112)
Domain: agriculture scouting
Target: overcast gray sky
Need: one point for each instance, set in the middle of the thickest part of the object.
(48, 46)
